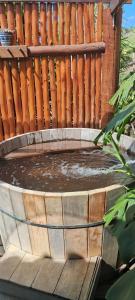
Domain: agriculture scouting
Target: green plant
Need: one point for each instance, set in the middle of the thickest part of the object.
(120, 219)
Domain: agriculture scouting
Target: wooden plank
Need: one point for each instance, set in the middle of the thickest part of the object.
(14, 73)
(68, 67)
(88, 279)
(14, 51)
(98, 65)
(76, 239)
(29, 66)
(96, 213)
(107, 64)
(80, 67)
(37, 68)
(35, 211)
(7, 79)
(10, 224)
(18, 210)
(1, 128)
(72, 278)
(54, 216)
(44, 65)
(48, 275)
(109, 245)
(9, 262)
(23, 74)
(4, 236)
(117, 26)
(62, 67)
(74, 65)
(87, 66)
(27, 270)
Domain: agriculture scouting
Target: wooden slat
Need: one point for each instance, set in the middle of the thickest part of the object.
(54, 216)
(93, 77)
(68, 67)
(23, 74)
(10, 224)
(87, 66)
(107, 64)
(35, 210)
(58, 78)
(53, 91)
(44, 64)
(76, 239)
(27, 270)
(29, 66)
(88, 279)
(9, 262)
(62, 68)
(98, 66)
(14, 72)
(74, 65)
(72, 278)
(7, 78)
(96, 213)
(48, 275)
(4, 235)
(18, 210)
(109, 245)
(117, 24)
(37, 68)
(80, 67)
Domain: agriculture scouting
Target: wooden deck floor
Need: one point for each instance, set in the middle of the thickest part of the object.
(71, 279)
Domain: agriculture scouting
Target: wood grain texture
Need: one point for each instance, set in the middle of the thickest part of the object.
(93, 75)
(35, 211)
(54, 216)
(69, 286)
(109, 243)
(75, 240)
(96, 213)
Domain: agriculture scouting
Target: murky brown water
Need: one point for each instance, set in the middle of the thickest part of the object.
(55, 168)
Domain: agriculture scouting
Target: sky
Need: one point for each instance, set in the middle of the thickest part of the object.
(129, 15)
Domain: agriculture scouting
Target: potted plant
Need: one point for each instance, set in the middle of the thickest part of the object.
(6, 37)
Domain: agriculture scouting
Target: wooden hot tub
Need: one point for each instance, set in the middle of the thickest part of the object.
(58, 208)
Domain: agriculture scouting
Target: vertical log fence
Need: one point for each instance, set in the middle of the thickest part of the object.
(64, 89)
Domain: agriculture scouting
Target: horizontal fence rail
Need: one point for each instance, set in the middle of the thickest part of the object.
(71, 72)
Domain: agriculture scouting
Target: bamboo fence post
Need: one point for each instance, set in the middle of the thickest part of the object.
(37, 68)
(44, 65)
(93, 77)
(87, 66)
(23, 74)
(62, 67)
(74, 66)
(14, 72)
(1, 128)
(29, 66)
(53, 91)
(68, 67)
(3, 104)
(80, 66)
(98, 65)
(58, 77)
(7, 79)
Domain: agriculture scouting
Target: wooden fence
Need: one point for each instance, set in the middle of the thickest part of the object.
(69, 89)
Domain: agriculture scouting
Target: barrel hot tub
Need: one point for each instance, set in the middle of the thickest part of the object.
(55, 207)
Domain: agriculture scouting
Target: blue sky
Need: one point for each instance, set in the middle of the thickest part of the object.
(129, 15)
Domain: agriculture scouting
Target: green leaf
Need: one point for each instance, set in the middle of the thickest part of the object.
(123, 288)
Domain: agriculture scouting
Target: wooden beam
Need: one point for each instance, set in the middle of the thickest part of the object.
(67, 49)
(114, 4)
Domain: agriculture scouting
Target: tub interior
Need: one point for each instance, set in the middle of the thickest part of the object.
(62, 166)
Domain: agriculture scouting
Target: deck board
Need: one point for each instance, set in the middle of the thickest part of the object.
(71, 279)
